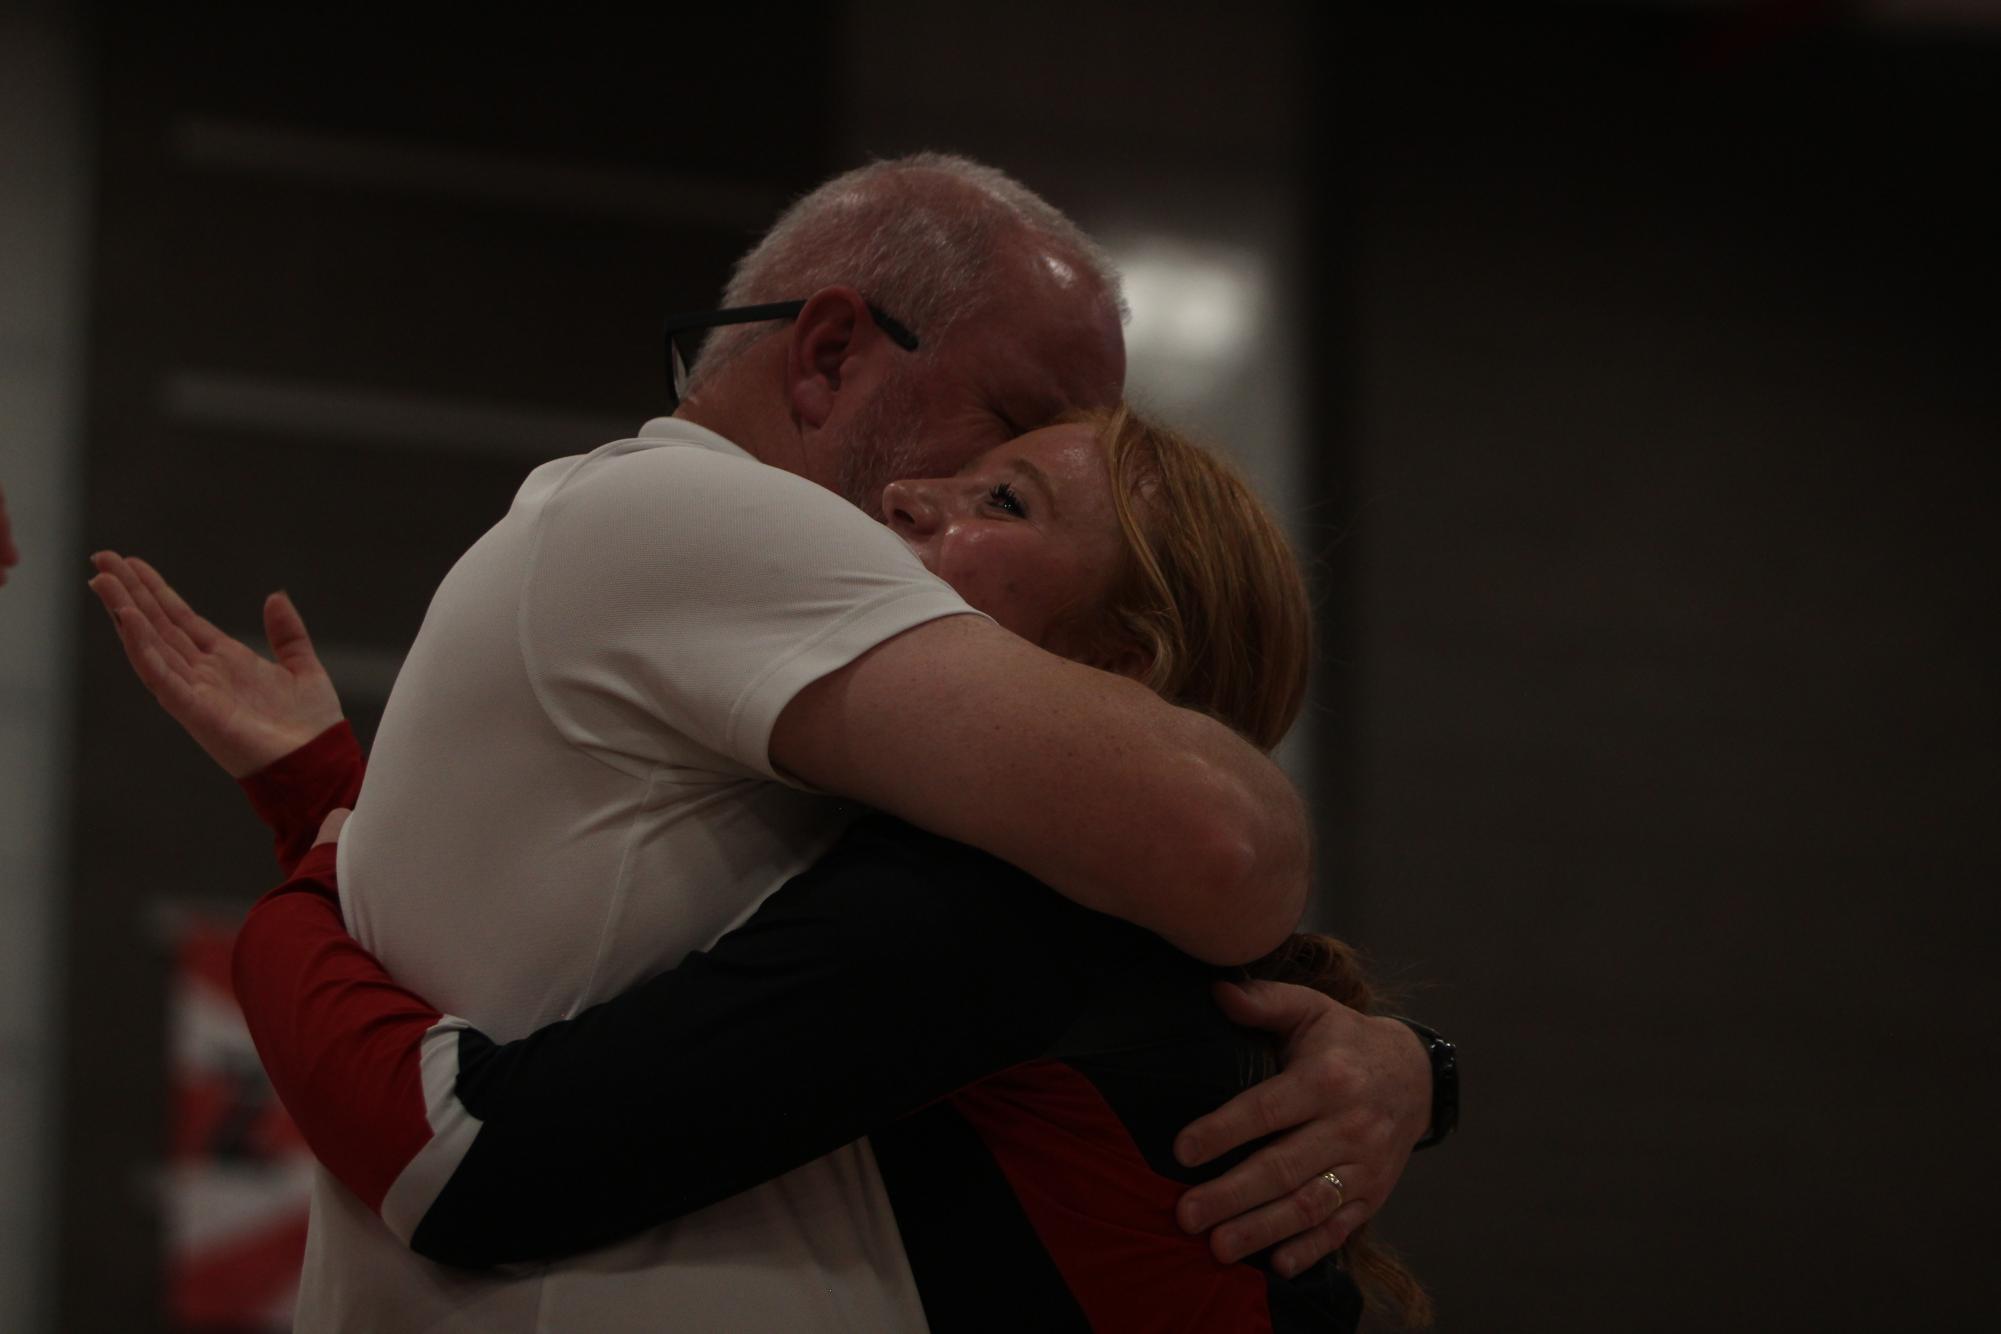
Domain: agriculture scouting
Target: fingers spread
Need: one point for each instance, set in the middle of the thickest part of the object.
(111, 593)
(285, 631)
(157, 672)
(199, 631)
(171, 637)
(149, 656)
(174, 692)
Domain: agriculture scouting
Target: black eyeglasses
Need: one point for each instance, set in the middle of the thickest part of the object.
(677, 368)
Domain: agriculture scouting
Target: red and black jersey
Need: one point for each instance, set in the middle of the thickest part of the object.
(1020, 1066)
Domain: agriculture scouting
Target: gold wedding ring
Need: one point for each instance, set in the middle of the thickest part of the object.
(1333, 1179)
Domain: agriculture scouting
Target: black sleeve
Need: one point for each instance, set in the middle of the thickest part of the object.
(898, 969)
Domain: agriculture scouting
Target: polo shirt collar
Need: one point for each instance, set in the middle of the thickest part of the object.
(680, 431)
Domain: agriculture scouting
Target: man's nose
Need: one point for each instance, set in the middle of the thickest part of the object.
(909, 507)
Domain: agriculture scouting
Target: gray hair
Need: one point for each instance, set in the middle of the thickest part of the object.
(918, 236)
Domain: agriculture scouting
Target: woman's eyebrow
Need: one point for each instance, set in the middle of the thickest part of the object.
(1040, 478)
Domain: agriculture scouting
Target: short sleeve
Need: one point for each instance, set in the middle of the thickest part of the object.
(691, 590)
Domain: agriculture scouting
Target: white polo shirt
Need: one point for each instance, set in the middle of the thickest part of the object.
(570, 791)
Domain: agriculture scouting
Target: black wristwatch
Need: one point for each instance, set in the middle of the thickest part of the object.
(1444, 1083)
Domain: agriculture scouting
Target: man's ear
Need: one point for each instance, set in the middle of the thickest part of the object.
(822, 353)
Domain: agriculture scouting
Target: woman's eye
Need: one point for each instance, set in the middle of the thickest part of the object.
(1004, 497)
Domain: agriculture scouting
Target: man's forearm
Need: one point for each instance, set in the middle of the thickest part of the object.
(1258, 859)
(1086, 780)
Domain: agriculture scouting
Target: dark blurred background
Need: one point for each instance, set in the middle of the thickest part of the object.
(1628, 373)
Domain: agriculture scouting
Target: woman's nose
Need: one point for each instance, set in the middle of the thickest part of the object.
(909, 506)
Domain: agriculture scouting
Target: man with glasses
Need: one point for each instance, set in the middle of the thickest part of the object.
(647, 675)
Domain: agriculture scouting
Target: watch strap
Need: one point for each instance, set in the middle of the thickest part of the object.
(1444, 1082)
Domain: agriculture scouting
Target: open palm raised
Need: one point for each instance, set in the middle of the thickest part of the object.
(244, 709)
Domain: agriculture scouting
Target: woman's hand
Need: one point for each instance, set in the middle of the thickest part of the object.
(1353, 1098)
(243, 709)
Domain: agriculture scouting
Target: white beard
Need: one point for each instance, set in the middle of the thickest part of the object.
(879, 445)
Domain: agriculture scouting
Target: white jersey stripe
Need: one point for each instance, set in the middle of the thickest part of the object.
(452, 1131)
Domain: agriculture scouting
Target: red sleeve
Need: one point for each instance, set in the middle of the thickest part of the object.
(341, 1041)
(294, 793)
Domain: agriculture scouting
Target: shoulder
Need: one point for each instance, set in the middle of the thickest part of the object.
(691, 473)
(653, 472)
(696, 501)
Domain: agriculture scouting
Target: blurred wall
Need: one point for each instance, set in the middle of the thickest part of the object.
(1678, 659)
(43, 197)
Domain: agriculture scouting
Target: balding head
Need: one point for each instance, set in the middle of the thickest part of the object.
(1016, 311)
(933, 239)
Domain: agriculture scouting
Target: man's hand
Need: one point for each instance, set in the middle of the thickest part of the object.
(1354, 1096)
(244, 710)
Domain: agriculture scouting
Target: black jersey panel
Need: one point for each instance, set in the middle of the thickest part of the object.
(977, 1260)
